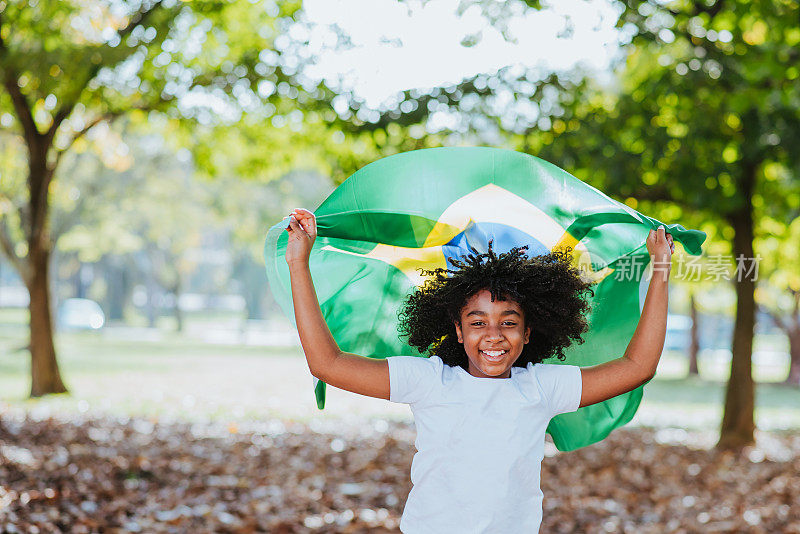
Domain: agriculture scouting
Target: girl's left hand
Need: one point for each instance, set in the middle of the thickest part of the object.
(660, 247)
(302, 228)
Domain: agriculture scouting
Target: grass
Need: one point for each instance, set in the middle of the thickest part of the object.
(178, 376)
(151, 378)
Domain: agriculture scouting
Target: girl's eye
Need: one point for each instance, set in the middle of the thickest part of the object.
(478, 323)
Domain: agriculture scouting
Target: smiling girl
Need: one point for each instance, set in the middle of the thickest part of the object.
(483, 399)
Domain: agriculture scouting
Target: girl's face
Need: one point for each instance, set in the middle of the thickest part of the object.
(493, 334)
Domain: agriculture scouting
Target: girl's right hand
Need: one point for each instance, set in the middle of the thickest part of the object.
(661, 247)
(302, 229)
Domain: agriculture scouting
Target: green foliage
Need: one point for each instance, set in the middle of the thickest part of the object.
(100, 59)
(705, 99)
(68, 69)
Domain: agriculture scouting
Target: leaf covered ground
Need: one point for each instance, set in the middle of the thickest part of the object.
(101, 474)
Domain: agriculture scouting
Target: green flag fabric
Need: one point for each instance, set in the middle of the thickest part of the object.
(421, 209)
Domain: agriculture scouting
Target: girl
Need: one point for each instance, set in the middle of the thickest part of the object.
(483, 399)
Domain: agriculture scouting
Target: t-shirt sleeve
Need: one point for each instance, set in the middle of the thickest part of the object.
(412, 378)
(561, 387)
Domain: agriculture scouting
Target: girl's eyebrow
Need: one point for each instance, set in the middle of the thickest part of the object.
(483, 313)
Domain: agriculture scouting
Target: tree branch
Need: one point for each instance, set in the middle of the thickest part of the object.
(778, 321)
(110, 116)
(58, 118)
(137, 19)
(20, 103)
(67, 223)
(701, 7)
(653, 194)
(787, 326)
(80, 133)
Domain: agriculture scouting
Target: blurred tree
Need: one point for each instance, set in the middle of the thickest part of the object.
(118, 275)
(153, 212)
(689, 283)
(246, 209)
(688, 280)
(68, 67)
(790, 324)
(694, 343)
(88, 231)
(706, 116)
(779, 293)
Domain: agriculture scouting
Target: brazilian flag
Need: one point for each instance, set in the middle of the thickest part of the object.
(423, 208)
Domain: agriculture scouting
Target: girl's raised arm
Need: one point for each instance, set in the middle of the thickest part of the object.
(639, 363)
(326, 361)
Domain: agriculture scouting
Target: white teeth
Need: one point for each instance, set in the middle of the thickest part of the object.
(493, 353)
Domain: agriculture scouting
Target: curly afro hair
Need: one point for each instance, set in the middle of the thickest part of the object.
(549, 289)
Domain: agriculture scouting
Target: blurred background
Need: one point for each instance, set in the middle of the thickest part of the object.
(146, 147)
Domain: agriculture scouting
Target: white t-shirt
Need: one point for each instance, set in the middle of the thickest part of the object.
(480, 443)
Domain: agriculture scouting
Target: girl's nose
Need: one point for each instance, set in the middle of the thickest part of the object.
(494, 333)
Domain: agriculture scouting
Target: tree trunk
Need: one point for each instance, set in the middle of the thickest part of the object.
(738, 423)
(151, 308)
(78, 289)
(176, 310)
(153, 305)
(85, 277)
(254, 290)
(253, 304)
(694, 343)
(794, 355)
(45, 376)
(118, 287)
(791, 326)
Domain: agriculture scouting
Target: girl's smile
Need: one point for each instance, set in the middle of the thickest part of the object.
(494, 355)
(493, 334)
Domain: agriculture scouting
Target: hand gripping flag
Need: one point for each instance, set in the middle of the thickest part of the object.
(422, 208)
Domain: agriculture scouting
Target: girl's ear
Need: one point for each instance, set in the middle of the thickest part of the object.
(527, 334)
(459, 336)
